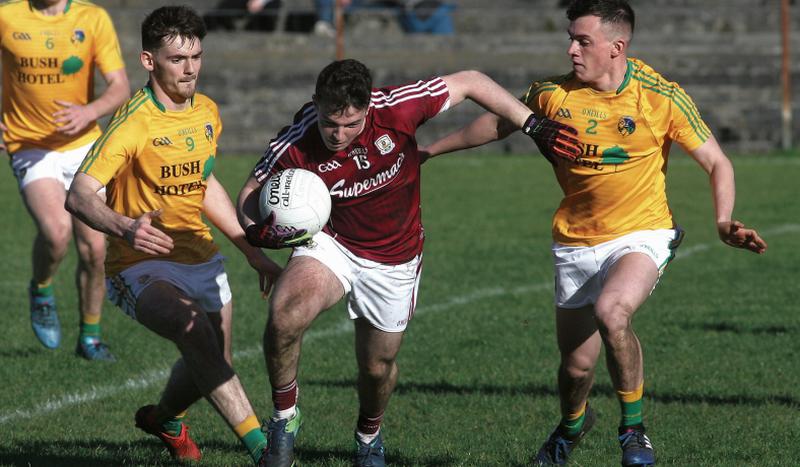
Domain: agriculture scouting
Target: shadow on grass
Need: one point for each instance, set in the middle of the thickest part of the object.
(393, 457)
(441, 387)
(102, 453)
(775, 330)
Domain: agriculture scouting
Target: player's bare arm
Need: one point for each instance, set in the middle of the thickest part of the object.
(481, 89)
(73, 118)
(2, 143)
(247, 203)
(506, 115)
(484, 129)
(218, 208)
(723, 190)
(84, 203)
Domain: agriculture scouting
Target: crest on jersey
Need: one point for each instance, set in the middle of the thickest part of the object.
(209, 132)
(384, 144)
(78, 36)
(626, 126)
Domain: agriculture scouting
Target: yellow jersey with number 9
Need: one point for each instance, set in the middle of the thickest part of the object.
(618, 185)
(49, 58)
(150, 158)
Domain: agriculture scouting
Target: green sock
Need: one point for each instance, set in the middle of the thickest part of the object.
(631, 413)
(89, 332)
(572, 428)
(630, 403)
(249, 431)
(173, 426)
(42, 291)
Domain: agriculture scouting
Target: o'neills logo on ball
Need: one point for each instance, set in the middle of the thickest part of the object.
(278, 196)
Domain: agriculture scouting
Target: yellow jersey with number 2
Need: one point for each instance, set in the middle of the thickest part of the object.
(618, 185)
(150, 158)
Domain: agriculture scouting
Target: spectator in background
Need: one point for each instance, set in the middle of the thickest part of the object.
(325, 15)
(261, 15)
(427, 16)
(415, 16)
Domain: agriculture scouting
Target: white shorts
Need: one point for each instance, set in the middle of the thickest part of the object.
(385, 295)
(581, 271)
(32, 164)
(206, 283)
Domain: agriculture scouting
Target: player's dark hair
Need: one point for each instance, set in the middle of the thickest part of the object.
(615, 12)
(169, 22)
(342, 84)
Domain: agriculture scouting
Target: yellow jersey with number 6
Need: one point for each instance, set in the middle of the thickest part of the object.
(49, 58)
(618, 185)
(150, 158)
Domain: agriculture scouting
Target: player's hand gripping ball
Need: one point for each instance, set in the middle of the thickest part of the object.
(294, 204)
(554, 139)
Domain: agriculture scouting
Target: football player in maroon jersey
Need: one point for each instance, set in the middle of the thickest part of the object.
(361, 141)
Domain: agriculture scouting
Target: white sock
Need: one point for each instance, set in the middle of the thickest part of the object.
(366, 439)
(284, 414)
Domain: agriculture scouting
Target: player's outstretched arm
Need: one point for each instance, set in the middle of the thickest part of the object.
(85, 204)
(723, 190)
(218, 208)
(509, 114)
(484, 129)
(73, 118)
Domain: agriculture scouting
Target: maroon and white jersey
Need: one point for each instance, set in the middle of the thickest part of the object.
(374, 182)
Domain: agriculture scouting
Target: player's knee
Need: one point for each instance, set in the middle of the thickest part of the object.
(56, 239)
(613, 316)
(577, 366)
(288, 316)
(193, 327)
(376, 370)
(577, 372)
(92, 255)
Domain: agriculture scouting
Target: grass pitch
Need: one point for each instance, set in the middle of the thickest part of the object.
(477, 369)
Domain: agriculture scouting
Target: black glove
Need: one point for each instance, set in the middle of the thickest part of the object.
(269, 235)
(553, 139)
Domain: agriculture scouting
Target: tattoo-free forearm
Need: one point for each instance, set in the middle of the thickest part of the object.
(84, 203)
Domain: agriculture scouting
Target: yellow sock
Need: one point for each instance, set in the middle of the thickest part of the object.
(86, 318)
(573, 422)
(246, 426)
(249, 431)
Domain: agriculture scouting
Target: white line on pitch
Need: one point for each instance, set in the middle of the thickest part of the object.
(149, 378)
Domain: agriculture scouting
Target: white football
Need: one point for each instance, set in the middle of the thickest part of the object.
(299, 199)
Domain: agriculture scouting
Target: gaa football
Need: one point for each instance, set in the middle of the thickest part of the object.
(299, 199)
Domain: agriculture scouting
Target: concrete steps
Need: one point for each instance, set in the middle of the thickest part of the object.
(725, 53)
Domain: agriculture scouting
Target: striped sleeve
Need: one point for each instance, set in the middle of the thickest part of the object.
(413, 104)
(118, 144)
(538, 93)
(277, 149)
(686, 127)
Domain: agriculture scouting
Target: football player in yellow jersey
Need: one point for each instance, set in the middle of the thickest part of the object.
(50, 49)
(613, 231)
(156, 159)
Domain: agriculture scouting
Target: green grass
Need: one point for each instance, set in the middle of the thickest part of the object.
(477, 369)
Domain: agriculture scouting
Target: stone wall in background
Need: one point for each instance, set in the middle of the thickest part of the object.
(725, 53)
